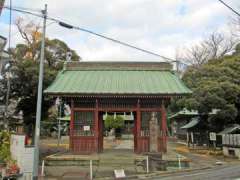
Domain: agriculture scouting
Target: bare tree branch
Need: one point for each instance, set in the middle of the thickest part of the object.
(30, 32)
(215, 46)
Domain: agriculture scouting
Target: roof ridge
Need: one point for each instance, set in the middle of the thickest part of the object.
(138, 66)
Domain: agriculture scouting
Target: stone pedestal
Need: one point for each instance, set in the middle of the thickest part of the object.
(153, 133)
(155, 158)
(156, 163)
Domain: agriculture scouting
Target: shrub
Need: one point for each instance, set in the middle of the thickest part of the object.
(111, 122)
(5, 146)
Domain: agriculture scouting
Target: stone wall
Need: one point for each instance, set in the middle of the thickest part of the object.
(231, 152)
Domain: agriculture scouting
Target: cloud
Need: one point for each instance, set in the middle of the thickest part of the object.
(160, 26)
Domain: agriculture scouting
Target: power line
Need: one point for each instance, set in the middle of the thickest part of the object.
(63, 24)
(69, 26)
(22, 11)
(29, 9)
(229, 7)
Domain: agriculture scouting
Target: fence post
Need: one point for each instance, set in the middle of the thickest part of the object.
(147, 164)
(179, 162)
(91, 170)
(42, 170)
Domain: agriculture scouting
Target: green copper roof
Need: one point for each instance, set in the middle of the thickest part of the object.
(191, 124)
(133, 81)
(185, 113)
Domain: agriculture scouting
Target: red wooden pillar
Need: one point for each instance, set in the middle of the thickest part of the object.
(164, 127)
(71, 125)
(96, 124)
(138, 128)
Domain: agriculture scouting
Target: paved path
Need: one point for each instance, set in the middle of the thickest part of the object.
(197, 160)
(226, 172)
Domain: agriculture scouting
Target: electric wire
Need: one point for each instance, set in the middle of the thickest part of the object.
(29, 9)
(66, 25)
(229, 7)
(69, 26)
(23, 11)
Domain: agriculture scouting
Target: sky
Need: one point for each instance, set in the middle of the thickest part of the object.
(166, 27)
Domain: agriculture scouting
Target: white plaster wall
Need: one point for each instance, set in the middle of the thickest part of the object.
(236, 150)
(22, 154)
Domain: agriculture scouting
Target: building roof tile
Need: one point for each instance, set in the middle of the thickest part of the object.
(135, 80)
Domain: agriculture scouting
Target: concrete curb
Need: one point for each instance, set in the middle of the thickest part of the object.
(155, 174)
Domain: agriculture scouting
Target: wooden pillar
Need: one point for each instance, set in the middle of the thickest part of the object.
(71, 125)
(96, 125)
(164, 127)
(138, 127)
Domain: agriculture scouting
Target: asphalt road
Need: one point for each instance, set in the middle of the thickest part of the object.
(221, 172)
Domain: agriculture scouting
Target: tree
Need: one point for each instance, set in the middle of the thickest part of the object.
(5, 154)
(215, 85)
(25, 68)
(1, 5)
(215, 46)
(56, 50)
(111, 122)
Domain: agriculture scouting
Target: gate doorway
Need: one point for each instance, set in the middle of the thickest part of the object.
(117, 131)
(88, 131)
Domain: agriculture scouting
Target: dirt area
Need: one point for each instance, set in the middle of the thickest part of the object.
(201, 158)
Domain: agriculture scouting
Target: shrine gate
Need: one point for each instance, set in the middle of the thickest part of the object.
(94, 88)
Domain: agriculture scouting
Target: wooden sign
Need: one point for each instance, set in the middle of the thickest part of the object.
(86, 128)
(212, 136)
(119, 173)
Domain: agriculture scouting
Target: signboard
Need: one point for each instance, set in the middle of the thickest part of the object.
(119, 173)
(212, 136)
(86, 128)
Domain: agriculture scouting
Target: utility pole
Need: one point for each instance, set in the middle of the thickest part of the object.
(8, 73)
(5, 118)
(39, 99)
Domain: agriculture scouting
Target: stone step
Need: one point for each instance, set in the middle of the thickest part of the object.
(116, 161)
(77, 176)
(70, 163)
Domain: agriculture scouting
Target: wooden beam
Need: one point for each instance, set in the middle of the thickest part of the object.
(71, 124)
(83, 109)
(96, 125)
(138, 126)
(96, 119)
(150, 109)
(138, 118)
(118, 109)
(164, 127)
(128, 109)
